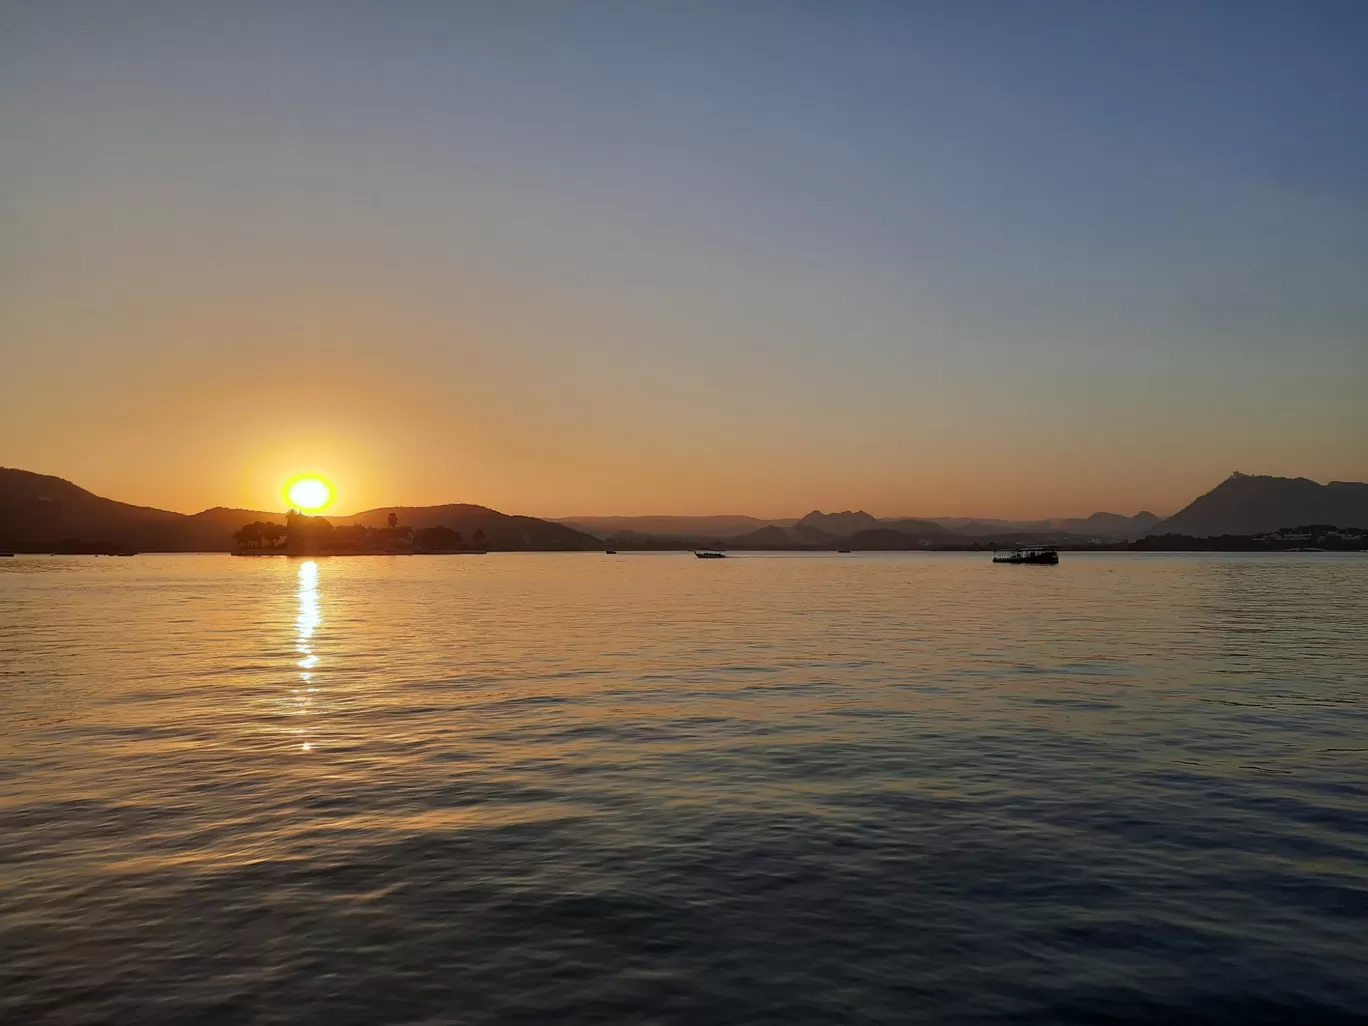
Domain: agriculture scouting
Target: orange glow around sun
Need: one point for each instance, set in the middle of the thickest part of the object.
(309, 494)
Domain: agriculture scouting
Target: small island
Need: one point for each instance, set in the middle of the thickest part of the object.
(303, 535)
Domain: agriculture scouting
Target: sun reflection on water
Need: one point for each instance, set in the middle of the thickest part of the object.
(306, 623)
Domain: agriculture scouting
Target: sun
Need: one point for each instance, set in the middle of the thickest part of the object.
(309, 493)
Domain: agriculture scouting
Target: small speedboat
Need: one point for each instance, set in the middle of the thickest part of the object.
(1038, 555)
(610, 552)
(711, 555)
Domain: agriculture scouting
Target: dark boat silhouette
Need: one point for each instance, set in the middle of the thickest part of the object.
(1039, 555)
(610, 552)
(711, 555)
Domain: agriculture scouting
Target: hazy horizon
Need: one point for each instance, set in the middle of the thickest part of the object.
(337, 512)
(920, 259)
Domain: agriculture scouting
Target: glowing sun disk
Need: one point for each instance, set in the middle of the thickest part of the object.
(309, 493)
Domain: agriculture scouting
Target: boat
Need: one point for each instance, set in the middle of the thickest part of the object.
(610, 552)
(6, 553)
(1039, 555)
(843, 551)
(711, 555)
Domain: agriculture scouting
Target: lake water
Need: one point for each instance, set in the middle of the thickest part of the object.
(575, 788)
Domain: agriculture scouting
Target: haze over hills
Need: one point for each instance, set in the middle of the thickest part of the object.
(1256, 504)
(817, 527)
(1099, 525)
(844, 529)
(720, 526)
(41, 512)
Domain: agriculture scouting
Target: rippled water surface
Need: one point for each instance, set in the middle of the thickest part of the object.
(581, 788)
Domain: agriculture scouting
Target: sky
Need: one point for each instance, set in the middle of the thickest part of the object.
(953, 258)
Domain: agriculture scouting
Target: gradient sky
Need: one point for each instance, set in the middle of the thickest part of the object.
(953, 258)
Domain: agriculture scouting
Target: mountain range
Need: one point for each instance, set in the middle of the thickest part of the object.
(41, 513)
(820, 528)
(1243, 504)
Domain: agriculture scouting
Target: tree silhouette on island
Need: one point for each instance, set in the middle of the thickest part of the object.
(311, 535)
(259, 534)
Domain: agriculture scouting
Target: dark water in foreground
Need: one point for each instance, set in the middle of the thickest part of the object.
(648, 788)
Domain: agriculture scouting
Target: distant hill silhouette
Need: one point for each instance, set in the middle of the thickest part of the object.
(721, 526)
(920, 528)
(818, 526)
(1099, 525)
(899, 534)
(1113, 525)
(884, 538)
(775, 537)
(502, 531)
(39, 512)
(1246, 504)
(212, 530)
(839, 524)
(807, 532)
(809, 535)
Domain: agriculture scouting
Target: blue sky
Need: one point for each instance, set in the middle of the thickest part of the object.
(981, 258)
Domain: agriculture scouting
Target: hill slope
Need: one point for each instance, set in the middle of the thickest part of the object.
(720, 526)
(501, 530)
(1255, 504)
(840, 524)
(1105, 525)
(212, 529)
(921, 528)
(38, 512)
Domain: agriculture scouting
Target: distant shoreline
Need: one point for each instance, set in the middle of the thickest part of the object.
(1123, 549)
(41, 513)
